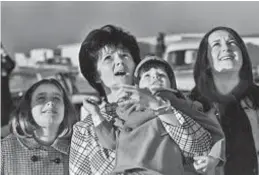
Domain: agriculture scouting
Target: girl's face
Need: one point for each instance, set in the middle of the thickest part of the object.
(224, 52)
(154, 78)
(47, 105)
(115, 66)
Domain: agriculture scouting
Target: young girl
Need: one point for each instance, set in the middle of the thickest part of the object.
(41, 128)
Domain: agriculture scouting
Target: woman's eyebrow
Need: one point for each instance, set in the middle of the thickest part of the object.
(44, 93)
(57, 94)
(104, 55)
(214, 41)
(231, 38)
(41, 94)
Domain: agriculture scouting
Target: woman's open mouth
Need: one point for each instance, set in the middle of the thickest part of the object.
(121, 73)
(50, 112)
(226, 57)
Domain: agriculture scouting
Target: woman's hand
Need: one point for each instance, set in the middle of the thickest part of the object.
(90, 104)
(135, 94)
(204, 164)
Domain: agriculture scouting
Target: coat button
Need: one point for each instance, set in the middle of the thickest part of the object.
(57, 160)
(34, 158)
(127, 129)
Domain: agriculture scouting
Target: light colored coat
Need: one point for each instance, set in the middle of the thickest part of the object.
(27, 157)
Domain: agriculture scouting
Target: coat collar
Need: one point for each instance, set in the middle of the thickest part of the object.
(61, 145)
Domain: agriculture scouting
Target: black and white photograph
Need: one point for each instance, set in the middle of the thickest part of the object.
(129, 87)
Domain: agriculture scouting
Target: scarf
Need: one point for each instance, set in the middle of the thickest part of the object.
(240, 146)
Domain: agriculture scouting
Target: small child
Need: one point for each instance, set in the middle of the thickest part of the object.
(158, 137)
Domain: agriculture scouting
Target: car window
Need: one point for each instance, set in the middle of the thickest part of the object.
(190, 56)
(182, 58)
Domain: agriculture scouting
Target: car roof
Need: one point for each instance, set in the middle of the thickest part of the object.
(184, 44)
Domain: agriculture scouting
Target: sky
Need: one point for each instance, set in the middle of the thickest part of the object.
(28, 25)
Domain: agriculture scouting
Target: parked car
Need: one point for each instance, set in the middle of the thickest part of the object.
(181, 55)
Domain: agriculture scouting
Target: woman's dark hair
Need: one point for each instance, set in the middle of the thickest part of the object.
(203, 70)
(22, 122)
(107, 35)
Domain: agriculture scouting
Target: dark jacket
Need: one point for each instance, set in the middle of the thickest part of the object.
(236, 130)
(7, 65)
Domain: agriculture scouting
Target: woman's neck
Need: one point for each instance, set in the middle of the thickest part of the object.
(46, 135)
(111, 94)
(225, 82)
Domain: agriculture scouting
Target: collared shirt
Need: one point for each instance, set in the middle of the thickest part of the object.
(87, 156)
(25, 156)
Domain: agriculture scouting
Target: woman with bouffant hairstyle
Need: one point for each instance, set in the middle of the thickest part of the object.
(41, 129)
(107, 59)
(97, 39)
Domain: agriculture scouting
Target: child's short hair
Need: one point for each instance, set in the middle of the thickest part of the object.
(22, 122)
(154, 62)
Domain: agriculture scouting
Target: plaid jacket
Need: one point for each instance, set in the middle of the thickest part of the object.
(26, 157)
(87, 156)
(192, 139)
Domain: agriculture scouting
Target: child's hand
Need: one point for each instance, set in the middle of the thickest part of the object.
(204, 164)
